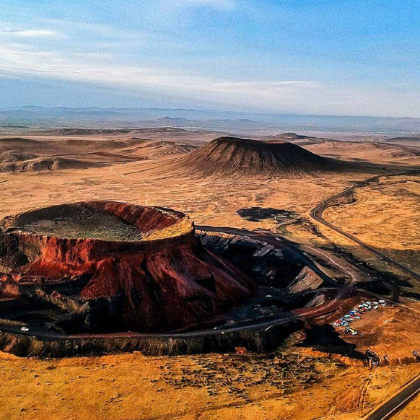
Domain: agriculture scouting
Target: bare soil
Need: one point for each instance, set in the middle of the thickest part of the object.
(223, 386)
(85, 223)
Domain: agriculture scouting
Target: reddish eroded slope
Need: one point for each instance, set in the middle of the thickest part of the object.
(164, 280)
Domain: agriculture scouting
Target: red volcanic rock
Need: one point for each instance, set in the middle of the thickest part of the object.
(145, 260)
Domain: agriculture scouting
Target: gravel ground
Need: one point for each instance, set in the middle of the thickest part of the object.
(86, 224)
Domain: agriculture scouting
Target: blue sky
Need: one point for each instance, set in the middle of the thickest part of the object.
(333, 57)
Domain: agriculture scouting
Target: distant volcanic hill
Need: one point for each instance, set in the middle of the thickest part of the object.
(231, 155)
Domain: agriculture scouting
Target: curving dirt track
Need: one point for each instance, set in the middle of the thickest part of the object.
(317, 214)
(389, 408)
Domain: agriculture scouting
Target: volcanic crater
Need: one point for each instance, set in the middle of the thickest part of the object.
(110, 266)
(105, 276)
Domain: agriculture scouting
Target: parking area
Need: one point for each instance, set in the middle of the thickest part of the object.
(378, 328)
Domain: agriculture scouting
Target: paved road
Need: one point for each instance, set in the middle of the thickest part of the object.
(387, 410)
(333, 299)
(332, 303)
(275, 241)
(317, 214)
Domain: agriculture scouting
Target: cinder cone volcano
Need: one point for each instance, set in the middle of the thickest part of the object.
(230, 155)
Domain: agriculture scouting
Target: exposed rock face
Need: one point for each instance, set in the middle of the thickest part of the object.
(159, 280)
(235, 156)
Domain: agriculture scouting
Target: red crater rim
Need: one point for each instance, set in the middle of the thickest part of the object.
(108, 221)
(124, 266)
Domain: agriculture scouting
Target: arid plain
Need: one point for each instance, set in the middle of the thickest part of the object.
(211, 182)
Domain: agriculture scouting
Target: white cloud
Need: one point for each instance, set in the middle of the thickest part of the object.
(21, 60)
(31, 33)
(216, 4)
(295, 96)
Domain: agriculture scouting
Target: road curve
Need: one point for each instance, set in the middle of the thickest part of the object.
(332, 304)
(272, 240)
(317, 214)
(387, 410)
(255, 326)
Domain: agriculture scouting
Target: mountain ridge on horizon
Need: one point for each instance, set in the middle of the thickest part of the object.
(37, 116)
(210, 111)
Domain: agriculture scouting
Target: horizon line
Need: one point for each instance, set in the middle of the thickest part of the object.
(212, 110)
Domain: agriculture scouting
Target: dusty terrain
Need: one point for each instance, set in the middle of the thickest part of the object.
(398, 151)
(86, 224)
(373, 151)
(391, 221)
(297, 383)
(133, 386)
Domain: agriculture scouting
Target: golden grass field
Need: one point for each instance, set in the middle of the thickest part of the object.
(134, 386)
(386, 216)
(295, 384)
